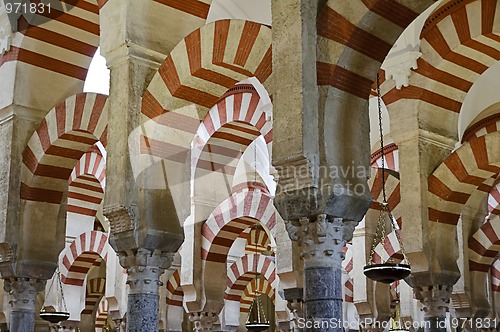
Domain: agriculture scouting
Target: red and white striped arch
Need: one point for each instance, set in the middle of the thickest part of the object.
(459, 41)
(349, 291)
(483, 127)
(484, 245)
(347, 264)
(228, 129)
(78, 258)
(86, 184)
(465, 170)
(63, 136)
(253, 289)
(61, 44)
(237, 213)
(495, 276)
(391, 249)
(258, 241)
(242, 273)
(191, 81)
(101, 314)
(494, 200)
(244, 270)
(366, 33)
(392, 191)
(95, 290)
(175, 294)
(391, 154)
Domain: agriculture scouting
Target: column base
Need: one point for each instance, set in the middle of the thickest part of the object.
(22, 321)
(142, 313)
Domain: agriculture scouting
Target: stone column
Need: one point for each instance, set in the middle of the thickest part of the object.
(144, 268)
(23, 292)
(435, 300)
(322, 239)
(203, 321)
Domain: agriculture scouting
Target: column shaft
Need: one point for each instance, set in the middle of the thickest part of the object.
(323, 296)
(24, 292)
(322, 238)
(144, 269)
(22, 321)
(142, 312)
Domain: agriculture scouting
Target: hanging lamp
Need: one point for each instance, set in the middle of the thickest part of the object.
(390, 271)
(256, 318)
(56, 316)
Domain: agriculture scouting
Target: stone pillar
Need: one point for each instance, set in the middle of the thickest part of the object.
(322, 239)
(144, 269)
(23, 292)
(203, 321)
(435, 300)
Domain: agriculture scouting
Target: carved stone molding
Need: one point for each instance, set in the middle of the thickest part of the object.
(7, 252)
(435, 299)
(321, 237)
(23, 292)
(121, 218)
(399, 67)
(144, 269)
(203, 321)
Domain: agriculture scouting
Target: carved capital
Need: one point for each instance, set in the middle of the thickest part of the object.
(322, 236)
(399, 67)
(121, 218)
(435, 299)
(203, 321)
(144, 268)
(23, 292)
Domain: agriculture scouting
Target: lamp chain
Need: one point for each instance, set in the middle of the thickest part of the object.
(381, 132)
(57, 275)
(385, 210)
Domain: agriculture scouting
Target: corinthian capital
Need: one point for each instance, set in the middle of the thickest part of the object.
(144, 269)
(321, 236)
(434, 298)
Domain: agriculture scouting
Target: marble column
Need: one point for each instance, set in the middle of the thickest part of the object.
(203, 321)
(321, 239)
(435, 300)
(23, 292)
(144, 269)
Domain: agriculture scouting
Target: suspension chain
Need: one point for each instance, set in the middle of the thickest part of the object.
(61, 288)
(385, 210)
